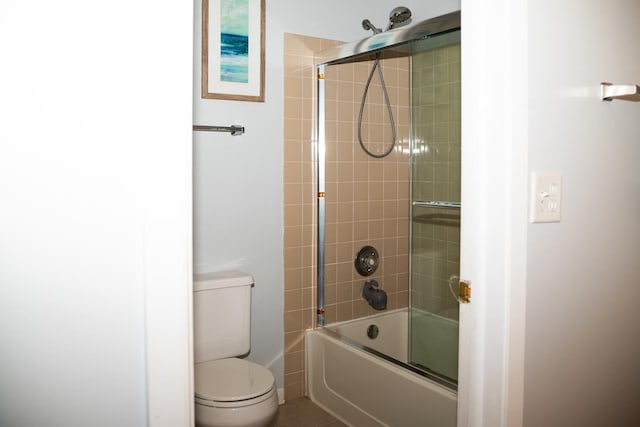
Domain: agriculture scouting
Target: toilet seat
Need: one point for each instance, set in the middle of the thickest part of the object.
(232, 382)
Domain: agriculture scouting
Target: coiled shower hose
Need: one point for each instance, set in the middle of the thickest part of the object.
(377, 65)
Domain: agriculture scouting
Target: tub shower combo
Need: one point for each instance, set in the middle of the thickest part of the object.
(394, 360)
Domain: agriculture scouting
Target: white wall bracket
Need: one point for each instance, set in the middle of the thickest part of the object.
(609, 92)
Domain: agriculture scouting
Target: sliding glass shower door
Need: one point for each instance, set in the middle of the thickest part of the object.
(435, 204)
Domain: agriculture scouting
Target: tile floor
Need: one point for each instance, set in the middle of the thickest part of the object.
(302, 412)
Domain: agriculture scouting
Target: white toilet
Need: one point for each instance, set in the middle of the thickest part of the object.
(229, 392)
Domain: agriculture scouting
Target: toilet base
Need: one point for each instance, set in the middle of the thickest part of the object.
(256, 415)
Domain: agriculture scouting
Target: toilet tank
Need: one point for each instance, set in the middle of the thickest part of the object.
(222, 315)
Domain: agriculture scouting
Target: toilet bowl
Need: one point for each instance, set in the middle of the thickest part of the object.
(234, 393)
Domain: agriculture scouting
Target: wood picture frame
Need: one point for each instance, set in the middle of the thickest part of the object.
(233, 49)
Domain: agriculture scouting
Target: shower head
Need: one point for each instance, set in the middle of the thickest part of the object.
(367, 25)
(398, 15)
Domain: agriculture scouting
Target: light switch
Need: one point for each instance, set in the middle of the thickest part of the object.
(546, 196)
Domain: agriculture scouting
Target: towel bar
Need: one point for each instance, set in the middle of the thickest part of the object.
(436, 204)
(235, 130)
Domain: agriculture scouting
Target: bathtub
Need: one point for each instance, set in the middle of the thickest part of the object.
(363, 388)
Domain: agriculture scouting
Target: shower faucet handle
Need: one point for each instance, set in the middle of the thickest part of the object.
(367, 260)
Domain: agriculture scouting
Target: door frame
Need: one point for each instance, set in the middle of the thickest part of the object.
(494, 200)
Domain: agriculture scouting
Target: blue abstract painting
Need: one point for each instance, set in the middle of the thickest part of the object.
(234, 41)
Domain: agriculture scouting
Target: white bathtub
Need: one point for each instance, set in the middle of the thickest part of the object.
(363, 389)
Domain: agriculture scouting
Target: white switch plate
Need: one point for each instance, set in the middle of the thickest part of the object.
(546, 196)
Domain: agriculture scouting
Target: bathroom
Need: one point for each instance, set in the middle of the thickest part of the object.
(216, 157)
(278, 345)
(544, 314)
(296, 171)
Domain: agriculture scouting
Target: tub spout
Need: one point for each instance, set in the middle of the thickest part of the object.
(377, 298)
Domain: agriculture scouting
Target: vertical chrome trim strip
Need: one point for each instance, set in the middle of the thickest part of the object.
(320, 75)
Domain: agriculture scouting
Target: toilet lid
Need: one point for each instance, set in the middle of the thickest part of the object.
(230, 380)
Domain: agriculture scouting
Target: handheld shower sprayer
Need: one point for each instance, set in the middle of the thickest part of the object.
(367, 25)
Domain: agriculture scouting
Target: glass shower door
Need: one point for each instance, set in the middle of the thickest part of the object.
(435, 205)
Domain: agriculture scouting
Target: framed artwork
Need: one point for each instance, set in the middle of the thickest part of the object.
(233, 49)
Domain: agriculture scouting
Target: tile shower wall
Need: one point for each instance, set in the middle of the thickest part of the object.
(367, 199)
(436, 176)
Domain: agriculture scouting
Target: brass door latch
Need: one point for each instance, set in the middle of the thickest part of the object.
(464, 295)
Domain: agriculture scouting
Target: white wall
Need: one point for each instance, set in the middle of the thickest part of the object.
(95, 216)
(583, 286)
(238, 180)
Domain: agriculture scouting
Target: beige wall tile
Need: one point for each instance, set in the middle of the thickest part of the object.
(294, 341)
